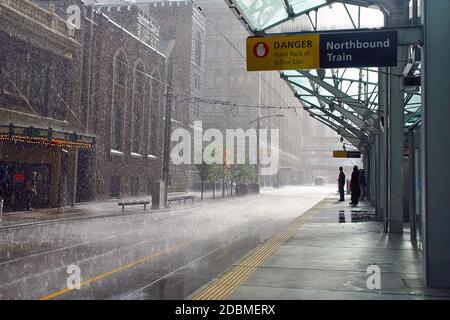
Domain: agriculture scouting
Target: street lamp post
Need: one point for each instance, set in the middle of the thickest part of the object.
(166, 156)
(258, 126)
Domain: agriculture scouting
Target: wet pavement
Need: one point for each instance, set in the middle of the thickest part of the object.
(94, 210)
(166, 254)
(330, 253)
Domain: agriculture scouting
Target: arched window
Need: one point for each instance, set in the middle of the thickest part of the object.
(155, 101)
(138, 106)
(118, 104)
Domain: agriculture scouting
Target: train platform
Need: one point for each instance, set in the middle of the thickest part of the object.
(333, 251)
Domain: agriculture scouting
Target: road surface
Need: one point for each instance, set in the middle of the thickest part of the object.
(159, 255)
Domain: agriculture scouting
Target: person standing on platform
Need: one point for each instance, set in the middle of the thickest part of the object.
(341, 184)
(354, 186)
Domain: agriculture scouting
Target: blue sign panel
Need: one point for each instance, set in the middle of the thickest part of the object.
(353, 154)
(358, 49)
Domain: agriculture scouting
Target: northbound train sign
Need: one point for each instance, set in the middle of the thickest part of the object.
(346, 154)
(326, 50)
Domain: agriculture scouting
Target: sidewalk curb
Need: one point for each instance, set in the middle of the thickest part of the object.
(116, 215)
(30, 224)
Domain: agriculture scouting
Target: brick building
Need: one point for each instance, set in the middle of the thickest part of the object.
(40, 104)
(183, 32)
(125, 106)
(65, 90)
(305, 144)
(182, 28)
(228, 80)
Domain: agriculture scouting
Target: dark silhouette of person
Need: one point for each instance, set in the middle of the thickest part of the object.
(30, 190)
(3, 182)
(354, 186)
(362, 183)
(4, 186)
(341, 184)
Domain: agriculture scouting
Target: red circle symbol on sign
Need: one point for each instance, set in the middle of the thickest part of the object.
(261, 50)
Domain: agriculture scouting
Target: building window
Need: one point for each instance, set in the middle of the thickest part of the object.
(23, 81)
(134, 186)
(234, 53)
(58, 90)
(211, 50)
(8, 63)
(39, 74)
(210, 78)
(138, 106)
(114, 189)
(150, 185)
(118, 104)
(198, 48)
(15, 71)
(241, 77)
(231, 77)
(197, 81)
(155, 101)
(218, 77)
(39, 77)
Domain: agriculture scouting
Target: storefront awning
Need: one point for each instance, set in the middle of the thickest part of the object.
(44, 136)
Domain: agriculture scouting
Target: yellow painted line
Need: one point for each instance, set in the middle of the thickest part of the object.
(224, 288)
(125, 267)
(227, 290)
(237, 275)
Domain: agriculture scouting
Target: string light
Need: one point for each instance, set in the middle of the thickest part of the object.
(58, 143)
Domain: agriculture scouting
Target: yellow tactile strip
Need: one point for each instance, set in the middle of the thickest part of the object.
(238, 274)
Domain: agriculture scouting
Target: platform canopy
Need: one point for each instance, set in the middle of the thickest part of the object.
(262, 15)
(346, 100)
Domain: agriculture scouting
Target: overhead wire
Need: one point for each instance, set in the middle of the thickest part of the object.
(178, 93)
(214, 101)
(25, 98)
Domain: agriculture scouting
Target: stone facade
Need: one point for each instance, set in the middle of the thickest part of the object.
(183, 33)
(125, 109)
(40, 77)
(228, 80)
(305, 144)
(105, 79)
(182, 30)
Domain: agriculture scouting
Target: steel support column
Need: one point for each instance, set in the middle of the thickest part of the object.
(382, 157)
(396, 150)
(436, 142)
(376, 189)
(395, 136)
(372, 174)
(366, 167)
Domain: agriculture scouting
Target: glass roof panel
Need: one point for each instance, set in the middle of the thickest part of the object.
(268, 14)
(339, 97)
(262, 13)
(304, 5)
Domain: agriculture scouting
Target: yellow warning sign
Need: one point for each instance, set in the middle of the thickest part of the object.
(340, 154)
(283, 52)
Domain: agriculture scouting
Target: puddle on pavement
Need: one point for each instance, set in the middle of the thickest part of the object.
(356, 215)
